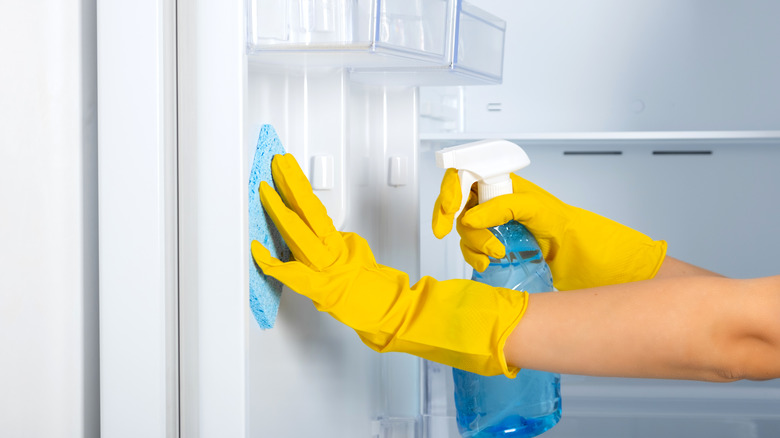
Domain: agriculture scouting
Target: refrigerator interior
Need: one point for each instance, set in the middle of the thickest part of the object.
(664, 116)
(626, 81)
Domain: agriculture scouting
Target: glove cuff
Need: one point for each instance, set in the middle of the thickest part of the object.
(661, 247)
(510, 372)
(461, 323)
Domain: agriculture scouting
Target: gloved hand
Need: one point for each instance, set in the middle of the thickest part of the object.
(582, 248)
(460, 323)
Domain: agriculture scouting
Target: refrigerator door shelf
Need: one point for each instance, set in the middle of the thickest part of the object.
(349, 33)
(425, 42)
(476, 55)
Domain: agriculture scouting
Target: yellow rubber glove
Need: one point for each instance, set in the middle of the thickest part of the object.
(582, 248)
(459, 323)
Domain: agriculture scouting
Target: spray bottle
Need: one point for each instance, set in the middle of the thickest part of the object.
(529, 404)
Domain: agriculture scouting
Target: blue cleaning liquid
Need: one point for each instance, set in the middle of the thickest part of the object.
(529, 404)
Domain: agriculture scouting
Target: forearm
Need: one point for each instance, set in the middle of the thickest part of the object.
(672, 267)
(699, 328)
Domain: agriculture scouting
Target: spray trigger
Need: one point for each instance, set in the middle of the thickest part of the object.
(487, 162)
(467, 179)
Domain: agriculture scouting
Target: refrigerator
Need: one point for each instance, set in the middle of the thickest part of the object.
(663, 115)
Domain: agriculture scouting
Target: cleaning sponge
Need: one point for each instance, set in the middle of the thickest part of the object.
(264, 291)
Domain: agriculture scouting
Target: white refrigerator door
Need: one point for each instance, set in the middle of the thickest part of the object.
(138, 230)
(48, 220)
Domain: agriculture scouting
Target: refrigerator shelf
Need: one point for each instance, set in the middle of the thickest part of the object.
(349, 33)
(421, 42)
(710, 136)
(475, 56)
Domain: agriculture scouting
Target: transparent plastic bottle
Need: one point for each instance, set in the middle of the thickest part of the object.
(529, 404)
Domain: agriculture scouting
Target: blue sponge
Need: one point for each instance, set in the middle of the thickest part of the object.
(264, 291)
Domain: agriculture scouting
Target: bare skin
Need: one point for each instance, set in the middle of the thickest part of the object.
(672, 267)
(686, 323)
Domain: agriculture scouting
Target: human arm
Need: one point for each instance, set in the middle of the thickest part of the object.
(672, 267)
(703, 328)
(687, 322)
(695, 327)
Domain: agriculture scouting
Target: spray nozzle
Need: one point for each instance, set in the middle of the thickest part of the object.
(487, 162)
